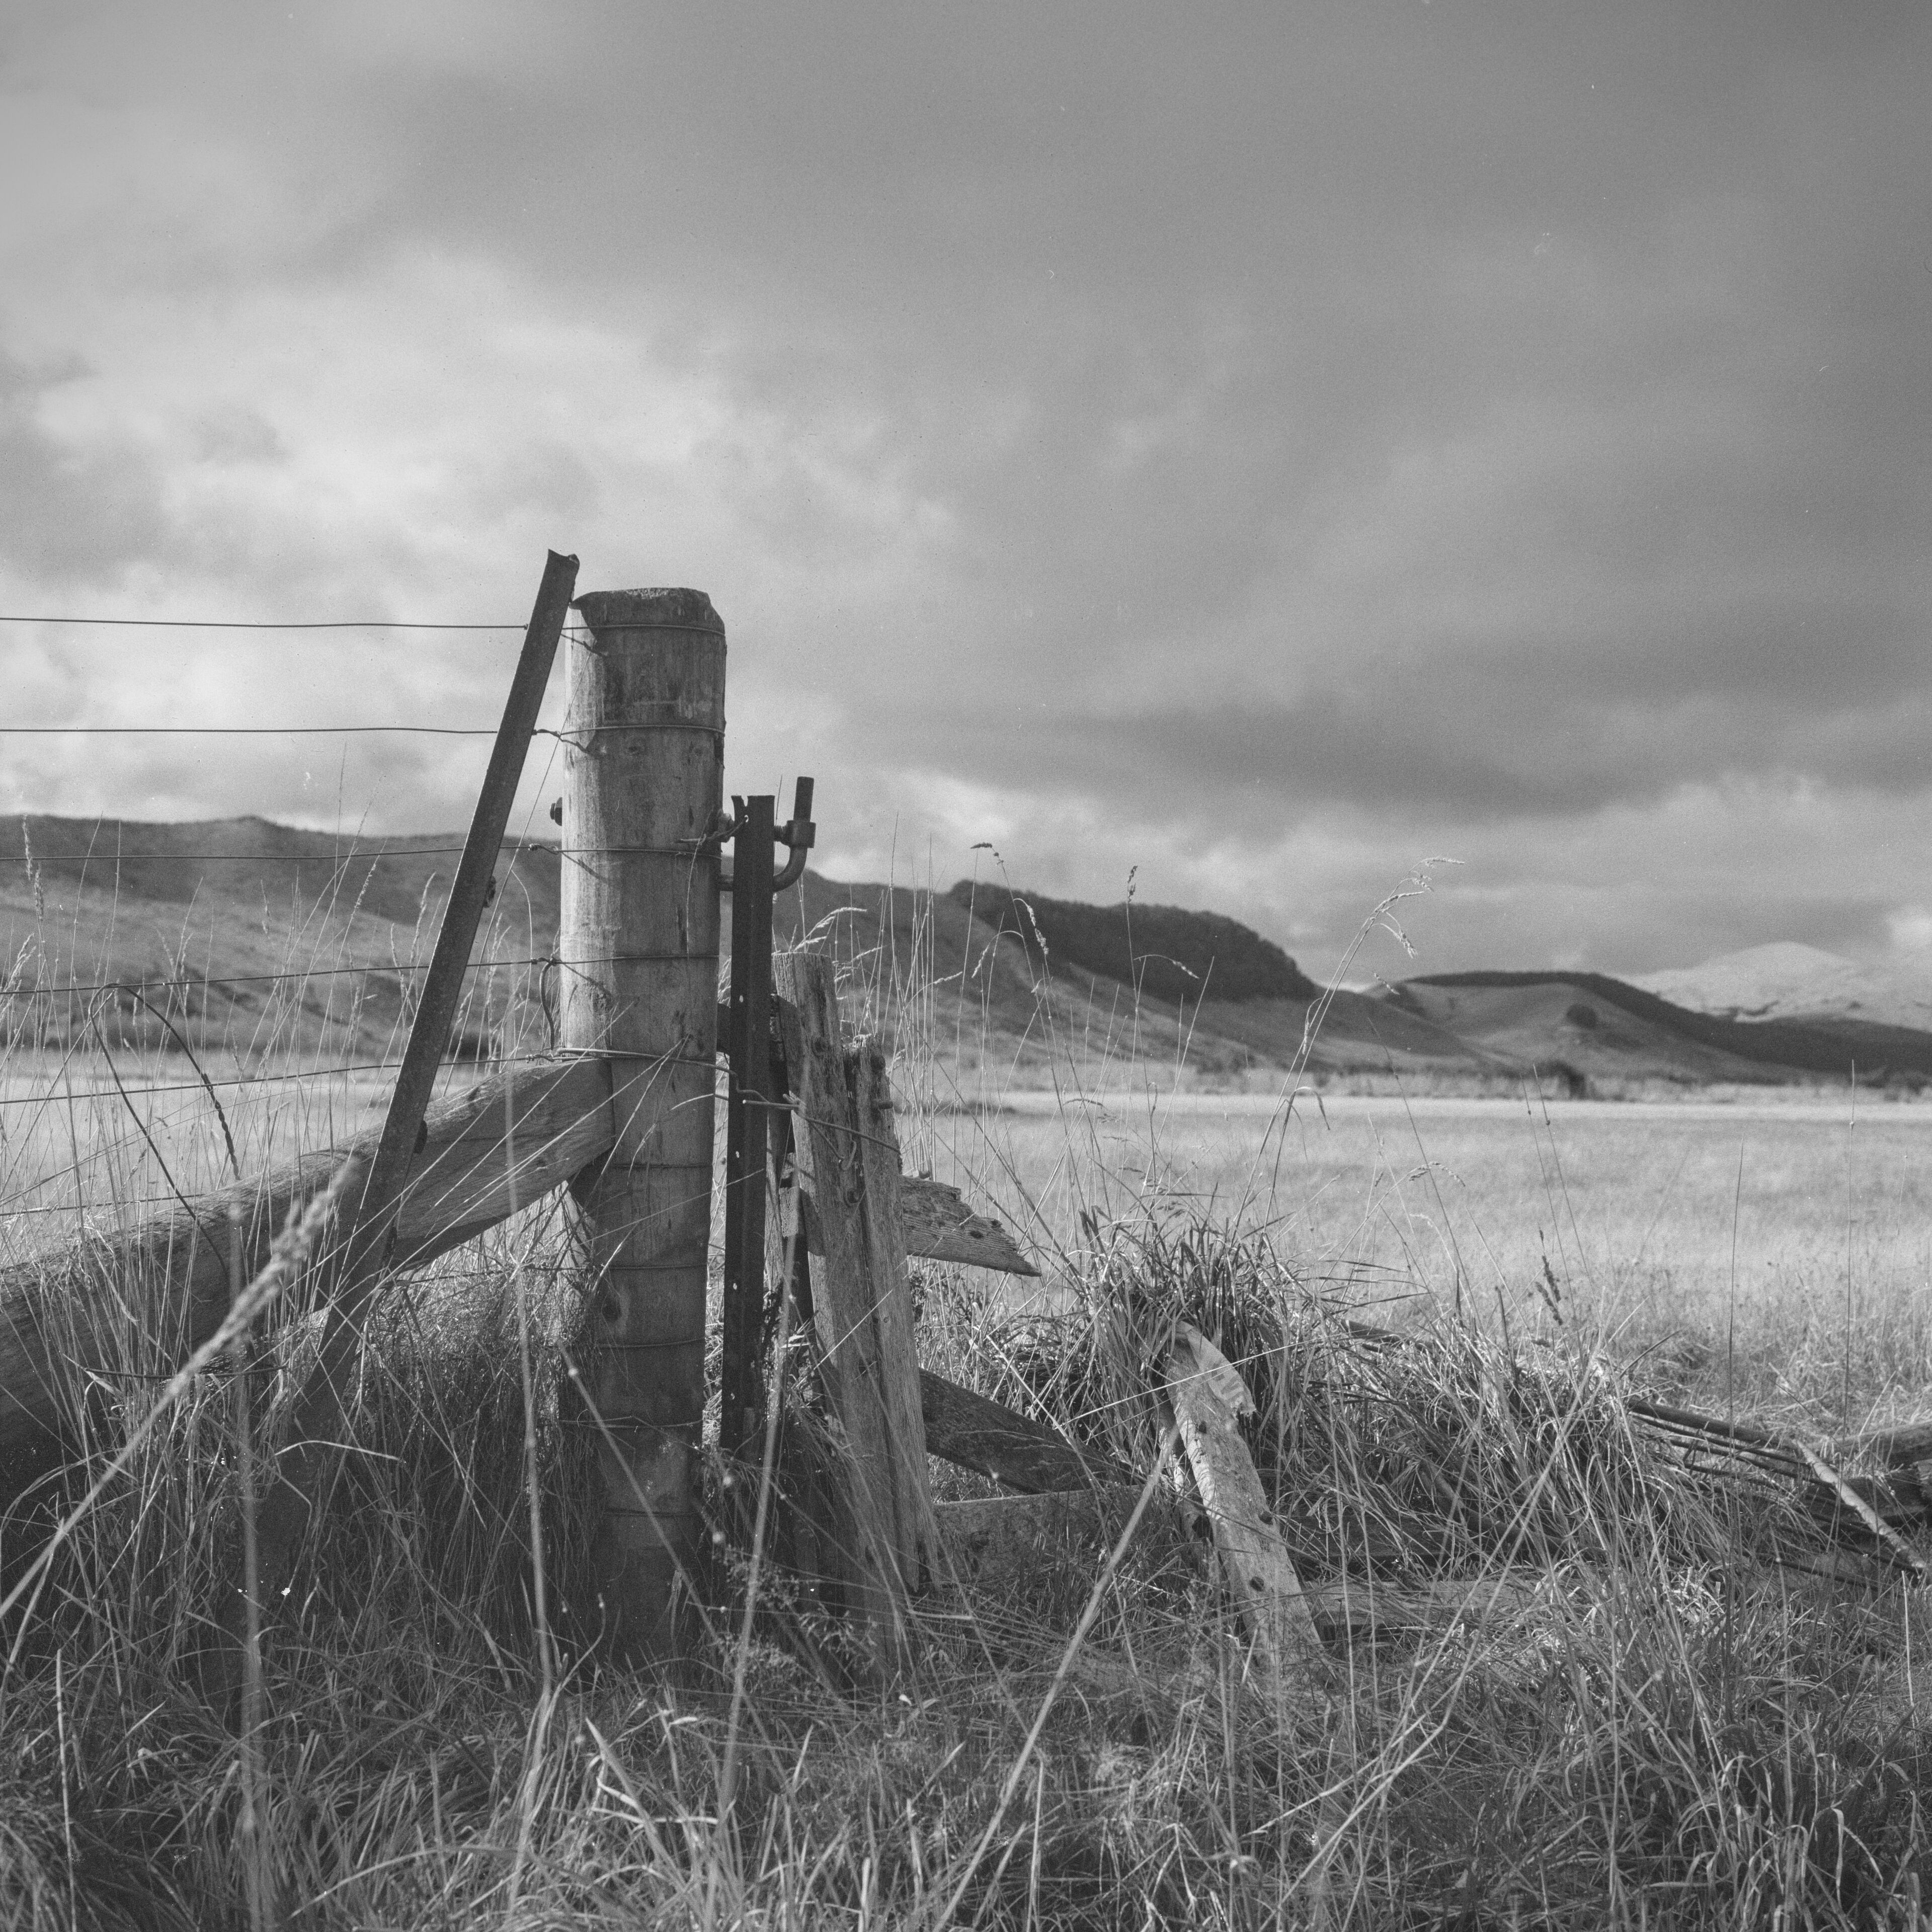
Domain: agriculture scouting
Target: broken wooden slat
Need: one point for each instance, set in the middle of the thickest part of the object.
(143, 1300)
(862, 1299)
(1208, 1396)
(1834, 1498)
(976, 1432)
(939, 1226)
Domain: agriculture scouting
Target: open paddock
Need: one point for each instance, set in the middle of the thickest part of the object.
(1761, 1228)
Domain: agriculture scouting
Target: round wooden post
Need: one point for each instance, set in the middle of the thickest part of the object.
(637, 983)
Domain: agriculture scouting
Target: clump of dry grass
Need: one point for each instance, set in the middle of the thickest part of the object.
(1655, 1729)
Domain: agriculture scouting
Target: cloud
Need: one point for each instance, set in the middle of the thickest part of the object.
(1263, 446)
(69, 514)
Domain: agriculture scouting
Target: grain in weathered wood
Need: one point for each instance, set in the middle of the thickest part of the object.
(140, 1302)
(862, 1299)
(1260, 1576)
(940, 1227)
(638, 982)
(976, 1432)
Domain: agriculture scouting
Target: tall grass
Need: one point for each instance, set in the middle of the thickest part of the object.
(1656, 1727)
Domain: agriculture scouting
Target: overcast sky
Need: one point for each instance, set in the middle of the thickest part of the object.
(1265, 446)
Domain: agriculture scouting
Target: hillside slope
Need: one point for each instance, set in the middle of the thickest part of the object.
(1787, 981)
(252, 939)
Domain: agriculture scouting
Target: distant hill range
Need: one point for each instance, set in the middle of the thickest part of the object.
(246, 936)
(1787, 981)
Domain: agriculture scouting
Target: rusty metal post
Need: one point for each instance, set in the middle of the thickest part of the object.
(637, 957)
(747, 1136)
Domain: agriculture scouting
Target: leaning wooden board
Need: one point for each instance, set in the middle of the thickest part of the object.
(978, 1433)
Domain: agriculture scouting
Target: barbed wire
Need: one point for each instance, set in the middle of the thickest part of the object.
(246, 730)
(258, 624)
(196, 981)
(342, 1070)
(356, 855)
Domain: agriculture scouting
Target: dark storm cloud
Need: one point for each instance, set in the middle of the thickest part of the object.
(1475, 418)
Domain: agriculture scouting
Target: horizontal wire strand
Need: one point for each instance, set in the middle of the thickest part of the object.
(258, 624)
(195, 982)
(247, 730)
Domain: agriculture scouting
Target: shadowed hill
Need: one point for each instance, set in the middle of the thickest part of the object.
(249, 937)
(252, 938)
(1165, 952)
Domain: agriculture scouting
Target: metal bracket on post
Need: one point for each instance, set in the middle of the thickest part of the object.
(799, 833)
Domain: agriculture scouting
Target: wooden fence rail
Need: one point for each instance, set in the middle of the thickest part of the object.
(110, 1307)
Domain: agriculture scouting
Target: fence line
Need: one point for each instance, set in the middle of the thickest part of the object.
(178, 1109)
(260, 624)
(374, 855)
(249, 731)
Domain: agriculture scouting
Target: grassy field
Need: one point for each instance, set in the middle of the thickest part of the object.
(1662, 1729)
(1759, 1231)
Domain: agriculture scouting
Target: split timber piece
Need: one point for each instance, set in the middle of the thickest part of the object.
(937, 1223)
(862, 1304)
(976, 1432)
(144, 1300)
(1832, 1497)
(1208, 1397)
(939, 1226)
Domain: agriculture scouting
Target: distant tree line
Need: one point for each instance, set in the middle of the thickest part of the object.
(1167, 953)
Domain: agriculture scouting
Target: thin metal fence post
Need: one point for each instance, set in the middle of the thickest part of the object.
(747, 1141)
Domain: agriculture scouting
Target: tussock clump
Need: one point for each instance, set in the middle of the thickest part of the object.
(1434, 1451)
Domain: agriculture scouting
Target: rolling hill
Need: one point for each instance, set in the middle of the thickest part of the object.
(1787, 981)
(241, 935)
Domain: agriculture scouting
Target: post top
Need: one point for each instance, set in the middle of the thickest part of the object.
(650, 611)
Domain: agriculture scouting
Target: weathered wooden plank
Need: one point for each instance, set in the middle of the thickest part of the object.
(939, 1226)
(862, 1299)
(1208, 1395)
(978, 1433)
(141, 1301)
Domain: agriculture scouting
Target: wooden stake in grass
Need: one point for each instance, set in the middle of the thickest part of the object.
(1208, 1398)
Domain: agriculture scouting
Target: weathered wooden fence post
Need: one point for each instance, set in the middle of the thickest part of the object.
(848, 1151)
(637, 957)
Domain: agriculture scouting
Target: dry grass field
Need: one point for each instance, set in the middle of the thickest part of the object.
(1659, 1728)
(1782, 1225)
